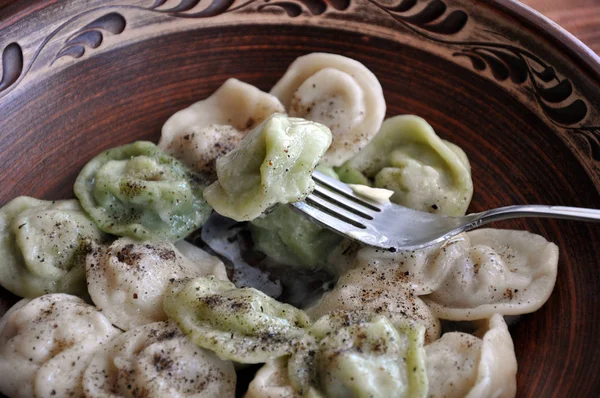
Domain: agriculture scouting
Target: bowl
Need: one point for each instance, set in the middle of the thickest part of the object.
(519, 94)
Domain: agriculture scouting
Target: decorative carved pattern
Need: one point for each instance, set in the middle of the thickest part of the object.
(12, 65)
(521, 66)
(432, 18)
(592, 137)
(504, 60)
(314, 7)
(181, 10)
(92, 35)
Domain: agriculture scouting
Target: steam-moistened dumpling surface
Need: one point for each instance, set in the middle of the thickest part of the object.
(157, 360)
(136, 190)
(394, 301)
(43, 246)
(357, 356)
(425, 172)
(340, 93)
(243, 325)
(272, 381)
(46, 343)
(208, 129)
(128, 279)
(273, 164)
(293, 239)
(461, 365)
(503, 271)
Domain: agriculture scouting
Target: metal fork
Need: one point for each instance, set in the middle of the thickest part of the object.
(390, 226)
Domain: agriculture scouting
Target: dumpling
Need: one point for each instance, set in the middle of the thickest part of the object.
(243, 325)
(43, 246)
(452, 364)
(357, 356)
(425, 172)
(138, 191)
(420, 271)
(502, 271)
(46, 343)
(128, 279)
(157, 360)
(272, 381)
(380, 297)
(292, 239)
(273, 164)
(209, 264)
(461, 365)
(340, 93)
(200, 134)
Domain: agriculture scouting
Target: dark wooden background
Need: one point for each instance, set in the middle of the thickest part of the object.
(580, 17)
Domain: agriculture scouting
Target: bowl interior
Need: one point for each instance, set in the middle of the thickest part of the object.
(51, 129)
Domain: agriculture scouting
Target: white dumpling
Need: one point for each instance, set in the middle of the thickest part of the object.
(338, 92)
(210, 128)
(502, 271)
(461, 365)
(128, 279)
(390, 299)
(46, 343)
(420, 271)
(272, 381)
(452, 364)
(157, 360)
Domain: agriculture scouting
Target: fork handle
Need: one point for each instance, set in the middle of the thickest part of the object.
(518, 211)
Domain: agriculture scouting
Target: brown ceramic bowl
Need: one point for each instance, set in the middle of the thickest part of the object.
(520, 95)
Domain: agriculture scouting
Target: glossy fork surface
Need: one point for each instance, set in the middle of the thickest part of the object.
(390, 226)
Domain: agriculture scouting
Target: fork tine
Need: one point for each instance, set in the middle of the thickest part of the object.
(338, 212)
(325, 219)
(343, 189)
(366, 235)
(343, 202)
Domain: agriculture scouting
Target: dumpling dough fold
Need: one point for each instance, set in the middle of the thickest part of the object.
(157, 360)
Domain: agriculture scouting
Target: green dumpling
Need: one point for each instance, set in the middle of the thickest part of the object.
(273, 164)
(244, 325)
(293, 239)
(355, 355)
(43, 245)
(425, 172)
(138, 191)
